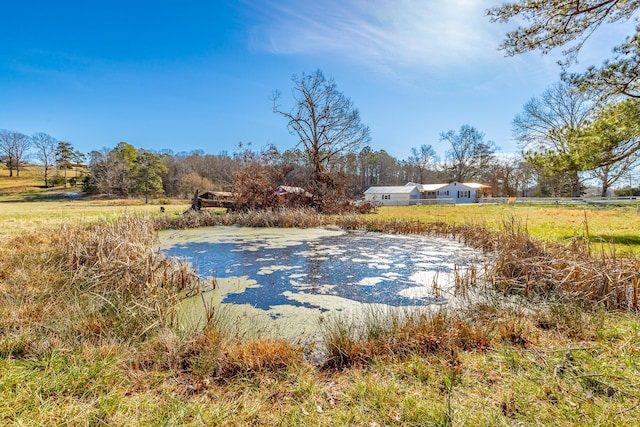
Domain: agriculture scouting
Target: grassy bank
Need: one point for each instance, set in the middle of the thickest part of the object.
(617, 226)
(88, 334)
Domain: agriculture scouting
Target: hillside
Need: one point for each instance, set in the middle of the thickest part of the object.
(29, 186)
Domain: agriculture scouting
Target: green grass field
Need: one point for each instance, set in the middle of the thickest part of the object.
(25, 205)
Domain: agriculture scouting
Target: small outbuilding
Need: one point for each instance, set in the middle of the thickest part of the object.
(393, 195)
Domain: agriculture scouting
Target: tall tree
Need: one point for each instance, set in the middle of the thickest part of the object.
(569, 23)
(366, 162)
(14, 145)
(45, 146)
(121, 161)
(387, 169)
(611, 143)
(422, 159)
(97, 181)
(324, 120)
(77, 158)
(468, 154)
(64, 155)
(148, 169)
(548, 131)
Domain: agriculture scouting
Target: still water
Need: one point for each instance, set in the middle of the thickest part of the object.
(281, 281)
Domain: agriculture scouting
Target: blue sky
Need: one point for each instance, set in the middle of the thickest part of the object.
(198, 75)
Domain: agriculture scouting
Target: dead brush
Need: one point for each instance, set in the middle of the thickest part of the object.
(530, 267)
(394, 334)
(123, 285)
(214, 355)
(262, 355)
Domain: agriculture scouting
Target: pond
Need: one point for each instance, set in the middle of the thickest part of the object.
(280, 282)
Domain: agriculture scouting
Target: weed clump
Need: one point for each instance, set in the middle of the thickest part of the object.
(399, 334)
(572, 272)
(101, 283)
(212, 355)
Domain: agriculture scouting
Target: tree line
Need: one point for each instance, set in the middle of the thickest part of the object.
(129, 171)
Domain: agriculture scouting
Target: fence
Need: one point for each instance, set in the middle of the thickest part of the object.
(413, 202)
(559, 200)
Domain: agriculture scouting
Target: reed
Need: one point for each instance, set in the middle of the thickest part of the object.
(400, 334)
(128, 290)
(101, 283)
(574, 272)
(212, 354)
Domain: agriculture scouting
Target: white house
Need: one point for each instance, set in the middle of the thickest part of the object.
(413, 194)
(462, 192)
(396, 195)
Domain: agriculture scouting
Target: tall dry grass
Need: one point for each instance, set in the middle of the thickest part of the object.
(391, 334)
(97, 284)
(128, 289)
(574, 272)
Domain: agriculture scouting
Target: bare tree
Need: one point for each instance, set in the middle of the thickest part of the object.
(14, 145)
(609, 174)
(422, 160)
(547, 121)
(469, 152)
(324, 120)
(548, 130)
(6, 148)
(45, 146)
(611, 142)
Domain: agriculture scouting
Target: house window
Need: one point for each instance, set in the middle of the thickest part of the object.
(386, 197)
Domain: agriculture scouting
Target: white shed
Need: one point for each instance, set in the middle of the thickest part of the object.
(393, 196)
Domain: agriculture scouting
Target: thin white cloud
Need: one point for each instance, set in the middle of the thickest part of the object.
(381, 33)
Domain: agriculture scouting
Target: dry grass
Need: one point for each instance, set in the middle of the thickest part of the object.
(102, 283)
(573, 272)
(392, 335)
